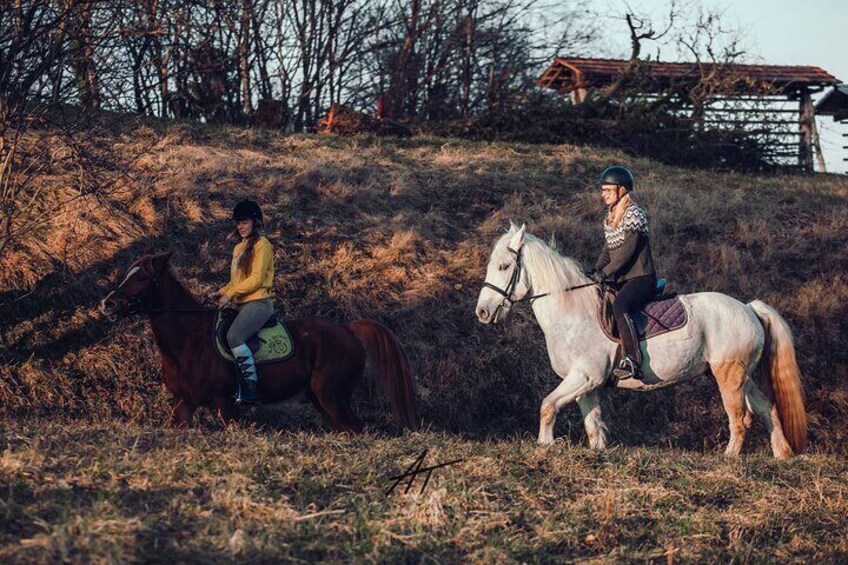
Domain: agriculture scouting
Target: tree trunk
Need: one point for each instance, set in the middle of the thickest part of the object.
(399, 84)
(83, 60)
(245, 33)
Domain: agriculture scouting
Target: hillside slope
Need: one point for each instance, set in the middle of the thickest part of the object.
(129, 494)
(400, 230)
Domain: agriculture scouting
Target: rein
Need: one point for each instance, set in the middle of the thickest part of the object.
(513, 282)
(136, 307)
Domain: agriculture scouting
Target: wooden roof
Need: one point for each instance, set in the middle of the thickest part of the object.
(569, 73)
(834, 103)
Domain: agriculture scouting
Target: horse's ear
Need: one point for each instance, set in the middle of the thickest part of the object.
(518, 238)
(161, 261)
(512, 227)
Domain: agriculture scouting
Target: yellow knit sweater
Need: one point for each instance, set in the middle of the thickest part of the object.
(259, 282)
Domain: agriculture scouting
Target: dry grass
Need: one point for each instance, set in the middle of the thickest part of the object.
(400, 231)
(86, 493)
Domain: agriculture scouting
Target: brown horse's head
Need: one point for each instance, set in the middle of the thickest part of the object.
(138, 287)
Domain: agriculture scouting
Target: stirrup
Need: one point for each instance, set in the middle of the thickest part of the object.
(627, 369)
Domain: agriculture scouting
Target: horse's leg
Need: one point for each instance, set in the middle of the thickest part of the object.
(574, 385)
(182, 412)
(352, 422)
(748, 420)
(333, 401)
(731, 379)
(225, 410)
(338, 414)
(596, 428)
(768, 412)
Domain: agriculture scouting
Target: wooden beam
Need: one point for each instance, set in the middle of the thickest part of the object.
(817, 146)
(806, 115)
(751, 110)
(578, 95)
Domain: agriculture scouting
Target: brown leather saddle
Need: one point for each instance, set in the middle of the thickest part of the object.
(664, 313)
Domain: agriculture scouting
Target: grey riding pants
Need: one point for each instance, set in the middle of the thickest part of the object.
(251, 317)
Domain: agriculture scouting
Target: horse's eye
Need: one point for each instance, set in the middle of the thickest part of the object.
(503, 267)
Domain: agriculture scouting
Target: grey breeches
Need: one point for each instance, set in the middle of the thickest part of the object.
(252, 315)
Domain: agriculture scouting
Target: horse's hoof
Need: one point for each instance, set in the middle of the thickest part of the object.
(783, 455)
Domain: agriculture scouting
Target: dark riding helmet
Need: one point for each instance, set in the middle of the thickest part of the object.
(617, 175)
(247, 210)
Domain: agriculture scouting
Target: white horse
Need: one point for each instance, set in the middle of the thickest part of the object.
(723, 337)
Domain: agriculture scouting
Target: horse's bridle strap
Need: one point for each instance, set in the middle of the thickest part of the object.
(136, 307)
(513, 282)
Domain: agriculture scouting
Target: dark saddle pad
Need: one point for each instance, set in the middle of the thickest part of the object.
(663, 314)
(271, 344)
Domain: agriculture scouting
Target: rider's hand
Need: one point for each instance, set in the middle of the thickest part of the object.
(214, 296)
(223, 300)
(599, 276)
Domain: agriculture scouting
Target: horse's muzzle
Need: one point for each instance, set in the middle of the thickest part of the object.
(484, 316)
(109, 308)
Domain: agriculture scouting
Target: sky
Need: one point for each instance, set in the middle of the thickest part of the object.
(776, 32)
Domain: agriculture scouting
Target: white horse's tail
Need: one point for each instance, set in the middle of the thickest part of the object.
(783, 382)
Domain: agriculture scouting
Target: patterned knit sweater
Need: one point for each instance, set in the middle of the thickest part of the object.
(627, 249)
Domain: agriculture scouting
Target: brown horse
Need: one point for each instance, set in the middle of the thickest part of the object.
(328, 358)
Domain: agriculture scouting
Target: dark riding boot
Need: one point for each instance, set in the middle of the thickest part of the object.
(630, 365)
(246, 377)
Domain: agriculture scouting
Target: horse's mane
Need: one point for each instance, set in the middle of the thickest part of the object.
(179, 285)
(552, 271)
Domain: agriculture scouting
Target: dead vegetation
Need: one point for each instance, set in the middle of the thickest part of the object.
(400, 230)
(94, 493)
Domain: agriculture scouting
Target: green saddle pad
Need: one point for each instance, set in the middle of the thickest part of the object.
(272, 344)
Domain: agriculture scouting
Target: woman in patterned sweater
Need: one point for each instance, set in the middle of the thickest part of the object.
(625, 263)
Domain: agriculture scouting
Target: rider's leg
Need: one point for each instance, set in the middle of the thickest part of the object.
(634, 294)
(252, 315)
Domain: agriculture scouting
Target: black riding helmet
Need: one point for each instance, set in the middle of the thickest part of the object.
(247, 210)
(617, 175)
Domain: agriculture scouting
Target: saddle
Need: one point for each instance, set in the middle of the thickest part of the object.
(272, 344)
(664, 313)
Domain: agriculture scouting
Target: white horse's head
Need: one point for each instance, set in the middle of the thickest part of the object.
(506, 279)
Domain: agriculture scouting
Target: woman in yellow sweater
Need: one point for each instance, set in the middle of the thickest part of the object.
(249, 291)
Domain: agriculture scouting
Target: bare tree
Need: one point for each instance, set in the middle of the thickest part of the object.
(429, 59)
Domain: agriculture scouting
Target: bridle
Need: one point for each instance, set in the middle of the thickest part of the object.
(136, 306)
(513, 282)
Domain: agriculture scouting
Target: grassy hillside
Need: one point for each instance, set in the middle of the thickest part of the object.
(400, 231)
(106, 494)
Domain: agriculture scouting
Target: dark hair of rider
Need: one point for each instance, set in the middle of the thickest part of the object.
(246, 258)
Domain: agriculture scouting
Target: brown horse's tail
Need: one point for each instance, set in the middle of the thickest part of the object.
(393, 368)
(784, 376)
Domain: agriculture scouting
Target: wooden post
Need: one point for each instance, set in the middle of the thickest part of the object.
(817, 145)
(578, 94)
(806, 125)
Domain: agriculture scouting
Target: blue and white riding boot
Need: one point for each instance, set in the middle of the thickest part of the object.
(247, 378)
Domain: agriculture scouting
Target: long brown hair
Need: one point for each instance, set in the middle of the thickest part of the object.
(246, 258)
